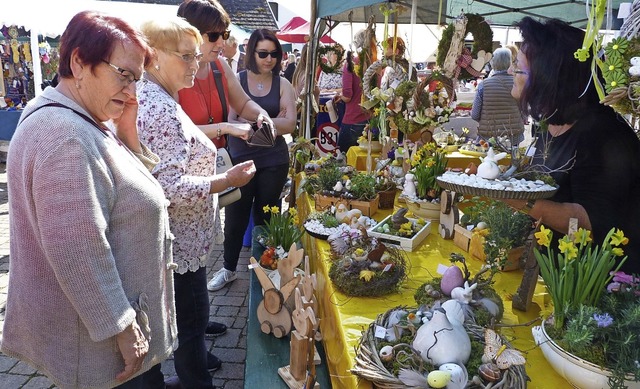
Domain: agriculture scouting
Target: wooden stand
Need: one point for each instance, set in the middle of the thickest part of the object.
(523, 297)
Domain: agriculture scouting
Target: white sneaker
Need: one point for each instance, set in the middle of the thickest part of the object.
(220, 279)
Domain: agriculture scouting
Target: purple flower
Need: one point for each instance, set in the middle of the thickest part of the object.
(391, 154)
(604, 320)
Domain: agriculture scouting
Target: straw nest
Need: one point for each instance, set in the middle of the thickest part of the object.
(369, 366)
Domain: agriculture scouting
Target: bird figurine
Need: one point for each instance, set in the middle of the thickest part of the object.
(398, 218)
(440, 341)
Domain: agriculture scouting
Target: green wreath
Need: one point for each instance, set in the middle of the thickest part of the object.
(482, 40)
(339, 50)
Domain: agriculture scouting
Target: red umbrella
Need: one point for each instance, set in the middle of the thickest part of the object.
(299, 34)
(295, 22)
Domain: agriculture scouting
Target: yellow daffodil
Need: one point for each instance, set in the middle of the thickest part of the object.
(359, 252)
(367, 275)
(275, 209)
(293, 212)
(618, 238)
(266, 209)
(582, 237)
(567, 247)
(543, 236)
(617, 251)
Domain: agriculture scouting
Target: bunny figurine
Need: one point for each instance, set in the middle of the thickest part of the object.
(489, 167)
(409, 189)
(463, 294)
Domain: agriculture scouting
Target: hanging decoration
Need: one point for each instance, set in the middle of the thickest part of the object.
(452, 57)
(337, 66)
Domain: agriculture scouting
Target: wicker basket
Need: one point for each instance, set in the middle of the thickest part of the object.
(387, 199)
(369, 366)
(495, 193)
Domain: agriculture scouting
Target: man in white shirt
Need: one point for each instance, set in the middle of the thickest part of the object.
(234, 57)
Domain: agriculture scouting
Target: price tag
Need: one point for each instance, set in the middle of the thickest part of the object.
(387, 268)
(441, 269)
(380, 332)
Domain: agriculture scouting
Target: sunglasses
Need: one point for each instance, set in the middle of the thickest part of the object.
(265, 54)
(213, 36)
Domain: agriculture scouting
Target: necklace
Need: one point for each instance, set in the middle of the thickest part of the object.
(204, 96)
(260, 84)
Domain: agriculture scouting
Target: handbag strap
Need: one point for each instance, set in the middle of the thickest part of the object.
(217, 76)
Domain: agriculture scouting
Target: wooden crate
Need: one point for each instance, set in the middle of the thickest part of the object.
(476, 249)
(368, 208)
(462, 237)
(409, 244)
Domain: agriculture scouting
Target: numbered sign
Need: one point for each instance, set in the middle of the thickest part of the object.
(327, 142)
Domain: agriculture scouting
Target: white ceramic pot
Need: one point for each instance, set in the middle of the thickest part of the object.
(578, 372)
(424, 209)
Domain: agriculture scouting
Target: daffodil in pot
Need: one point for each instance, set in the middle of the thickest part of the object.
(427, 163)
(277, 235)
(592, 338)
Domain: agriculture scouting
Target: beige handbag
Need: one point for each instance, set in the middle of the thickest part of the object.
(232, 194)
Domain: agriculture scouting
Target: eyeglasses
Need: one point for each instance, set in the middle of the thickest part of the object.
(213, 36)
(126, 75)
(265, 54)
(516, 71)
(189, 57)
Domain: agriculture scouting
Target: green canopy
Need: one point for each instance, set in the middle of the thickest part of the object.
(496, 12)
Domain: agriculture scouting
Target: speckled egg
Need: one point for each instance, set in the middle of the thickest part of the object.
(452, 278)
(438, 379)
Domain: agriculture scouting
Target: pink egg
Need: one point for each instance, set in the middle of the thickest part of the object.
(452, 278)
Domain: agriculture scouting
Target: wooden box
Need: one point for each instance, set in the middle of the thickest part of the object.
(462, 237)
(476, 249)
(368, 208)
(409, 244)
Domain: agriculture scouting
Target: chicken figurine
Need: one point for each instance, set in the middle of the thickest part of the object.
(489, 169)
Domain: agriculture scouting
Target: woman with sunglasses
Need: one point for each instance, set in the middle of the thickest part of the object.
(261, 81)
(204, 102)
(187, 173)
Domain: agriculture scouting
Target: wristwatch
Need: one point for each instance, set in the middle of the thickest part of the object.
(528, 206)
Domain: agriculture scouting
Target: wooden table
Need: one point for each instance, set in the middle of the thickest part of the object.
(343, 318)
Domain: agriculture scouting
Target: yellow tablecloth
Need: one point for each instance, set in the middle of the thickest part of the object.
(357, 158)
(344, 318)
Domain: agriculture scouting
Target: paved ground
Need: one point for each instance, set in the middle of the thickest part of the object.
(228, 306)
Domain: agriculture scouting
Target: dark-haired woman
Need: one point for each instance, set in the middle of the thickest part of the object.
(263, 83)
(591, 151)
(355, 117)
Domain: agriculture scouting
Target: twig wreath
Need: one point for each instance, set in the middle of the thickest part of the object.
(324, 50)
(482, 40)
(400, 72)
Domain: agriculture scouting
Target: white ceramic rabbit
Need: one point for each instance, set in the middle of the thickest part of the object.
(489, 169)
(463, 294)
(409, 189)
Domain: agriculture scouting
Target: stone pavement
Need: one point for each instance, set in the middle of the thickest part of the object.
(228, 306)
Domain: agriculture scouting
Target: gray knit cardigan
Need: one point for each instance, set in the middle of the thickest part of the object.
(90, 250)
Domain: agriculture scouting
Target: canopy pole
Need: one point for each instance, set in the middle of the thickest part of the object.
(414, 11)
(35, 58)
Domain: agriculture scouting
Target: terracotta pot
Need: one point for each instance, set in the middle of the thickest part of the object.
(578, 372)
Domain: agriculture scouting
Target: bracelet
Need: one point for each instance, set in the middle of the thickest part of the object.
(219, 134)
(528, 206)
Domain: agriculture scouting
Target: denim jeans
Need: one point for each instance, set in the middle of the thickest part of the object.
(264, 189)
(349, 134)
(192, 316)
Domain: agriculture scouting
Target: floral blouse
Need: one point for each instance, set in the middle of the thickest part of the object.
(187, 162)
(330, 80)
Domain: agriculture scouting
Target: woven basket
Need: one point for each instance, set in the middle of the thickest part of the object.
(369, 366)
(495, 193)
(387, 199)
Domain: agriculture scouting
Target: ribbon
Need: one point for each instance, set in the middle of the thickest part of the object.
(464, 62)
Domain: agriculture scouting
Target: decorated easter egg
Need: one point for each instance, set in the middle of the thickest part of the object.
(438, 378)
(386, 353)
(452, 278)
(459, 375)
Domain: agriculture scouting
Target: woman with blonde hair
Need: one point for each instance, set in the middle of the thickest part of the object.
(187, 173)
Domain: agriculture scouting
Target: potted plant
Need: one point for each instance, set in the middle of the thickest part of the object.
(591, 339)
(386, 187)
(331, 186)
(371, 134)
(277, 235)
(427, 163)
(501, 233)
